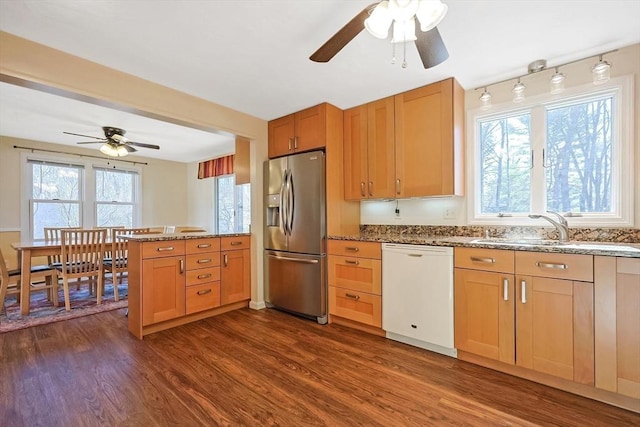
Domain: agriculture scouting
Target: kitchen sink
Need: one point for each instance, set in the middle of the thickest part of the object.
(593, 246)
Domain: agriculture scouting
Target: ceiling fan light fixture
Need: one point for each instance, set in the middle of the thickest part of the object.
(404, 31)
(113, 150)
(430, 13)
(379, 21)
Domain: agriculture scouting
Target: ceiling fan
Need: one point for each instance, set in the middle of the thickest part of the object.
(115, 144)
(378, 18)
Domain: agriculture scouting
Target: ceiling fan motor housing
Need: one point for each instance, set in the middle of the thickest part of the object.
(110, 131)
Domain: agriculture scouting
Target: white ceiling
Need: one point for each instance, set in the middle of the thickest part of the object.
(252, 55)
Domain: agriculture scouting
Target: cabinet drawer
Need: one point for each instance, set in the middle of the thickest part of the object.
(202, 297)
(355, 248)
(360, 274)
(357, 306)
(194, 246)
(203, 275)
(554, 265)
(497, 260)
(162, 248)
(203, 260)
(233, 243)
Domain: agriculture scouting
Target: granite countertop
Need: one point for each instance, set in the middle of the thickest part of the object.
(628, 250)
(158, 237)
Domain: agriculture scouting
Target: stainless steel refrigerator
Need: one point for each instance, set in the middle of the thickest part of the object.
(295, 234)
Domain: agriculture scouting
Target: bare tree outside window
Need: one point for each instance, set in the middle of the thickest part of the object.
(115, 198)
(233, 206)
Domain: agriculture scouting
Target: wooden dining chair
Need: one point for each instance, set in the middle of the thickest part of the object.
(10, 282)
(52, 234)
(82, 252)
(117, 263)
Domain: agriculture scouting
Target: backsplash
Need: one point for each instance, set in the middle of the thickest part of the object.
(619, 235)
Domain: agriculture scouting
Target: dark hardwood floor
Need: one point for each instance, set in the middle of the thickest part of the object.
(260, 368)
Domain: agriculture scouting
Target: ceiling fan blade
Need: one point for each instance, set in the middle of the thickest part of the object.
(129, 148)
(143, 145)
(431, 47)
(342, 37)
(86, 136)
(91, 142)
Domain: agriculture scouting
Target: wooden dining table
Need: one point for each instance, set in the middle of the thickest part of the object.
(27, 250)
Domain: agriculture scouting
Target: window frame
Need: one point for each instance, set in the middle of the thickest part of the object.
(87, 190)
(216, 210)
(135, 220)
(621, 88)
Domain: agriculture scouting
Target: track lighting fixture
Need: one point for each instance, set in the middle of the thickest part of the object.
(518, 91)
(485, 100)
(601, 74)
(601, 71)
(557, 82)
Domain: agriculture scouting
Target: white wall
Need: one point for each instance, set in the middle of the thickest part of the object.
(431, 211)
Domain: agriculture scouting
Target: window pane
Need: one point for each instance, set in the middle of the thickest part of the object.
(579, 157)
(114, 186)
(505, 161)
(112, 215)
(244, 208)
(55, 182)
(52, 214)
(226, 214)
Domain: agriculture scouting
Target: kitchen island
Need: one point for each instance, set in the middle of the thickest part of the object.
(176, 279)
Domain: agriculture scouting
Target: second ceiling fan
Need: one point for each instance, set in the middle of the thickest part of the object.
(400, 16)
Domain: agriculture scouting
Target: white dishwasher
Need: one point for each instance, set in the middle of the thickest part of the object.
(417, 296)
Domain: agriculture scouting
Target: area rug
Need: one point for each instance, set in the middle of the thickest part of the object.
(43, 311)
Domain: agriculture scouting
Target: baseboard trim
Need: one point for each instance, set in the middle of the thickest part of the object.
(257, 305)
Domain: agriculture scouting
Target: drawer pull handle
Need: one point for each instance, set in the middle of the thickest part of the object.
(348, 261)
(415, 255)
(204, 261)
(204, 245)
(236, 243)
(505, 289)
(352, 249)
(204, 292)
(352, 296)
(181, 266)
(483, 260)
(168, 248)
(523, 292)
(552, 265)
(204, 276)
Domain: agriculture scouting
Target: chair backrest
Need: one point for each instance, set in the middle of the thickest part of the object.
(169, 229)
(53, 234)
(4, 274)
(119, 246)
(83, 252)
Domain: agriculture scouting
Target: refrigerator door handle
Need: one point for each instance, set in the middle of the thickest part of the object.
(291, 202)
(283, 205)
(286, 258)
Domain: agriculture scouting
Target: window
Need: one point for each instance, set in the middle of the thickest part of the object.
(55, 199)
(568, 156)
(115, 197)
(76, 193)
(233, 210)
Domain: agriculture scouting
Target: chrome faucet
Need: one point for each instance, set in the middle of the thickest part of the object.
(561, 225)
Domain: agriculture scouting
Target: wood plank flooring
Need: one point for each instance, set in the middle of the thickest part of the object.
(259, 368)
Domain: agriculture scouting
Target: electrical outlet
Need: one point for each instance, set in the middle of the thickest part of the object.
(448, 213)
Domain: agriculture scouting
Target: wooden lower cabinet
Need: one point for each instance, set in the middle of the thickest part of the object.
(617, 325)
(163, 294)
(235, 276)
(544, 324)
(355, 284)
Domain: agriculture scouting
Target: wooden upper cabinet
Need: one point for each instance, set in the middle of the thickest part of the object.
(301, 131)
(369, 150)
(429, 140)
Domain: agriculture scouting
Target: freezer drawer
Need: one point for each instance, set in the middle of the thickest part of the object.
(297, 283)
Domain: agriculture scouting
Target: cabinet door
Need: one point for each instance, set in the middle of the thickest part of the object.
(163, 293)
(281, 133)
(355, 153)
(310, 128)
(235, 280)
(381, 149)
(424, 141)
(554, 327)
(484, 314)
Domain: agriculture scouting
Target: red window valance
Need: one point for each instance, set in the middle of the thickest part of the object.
(216, 167)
